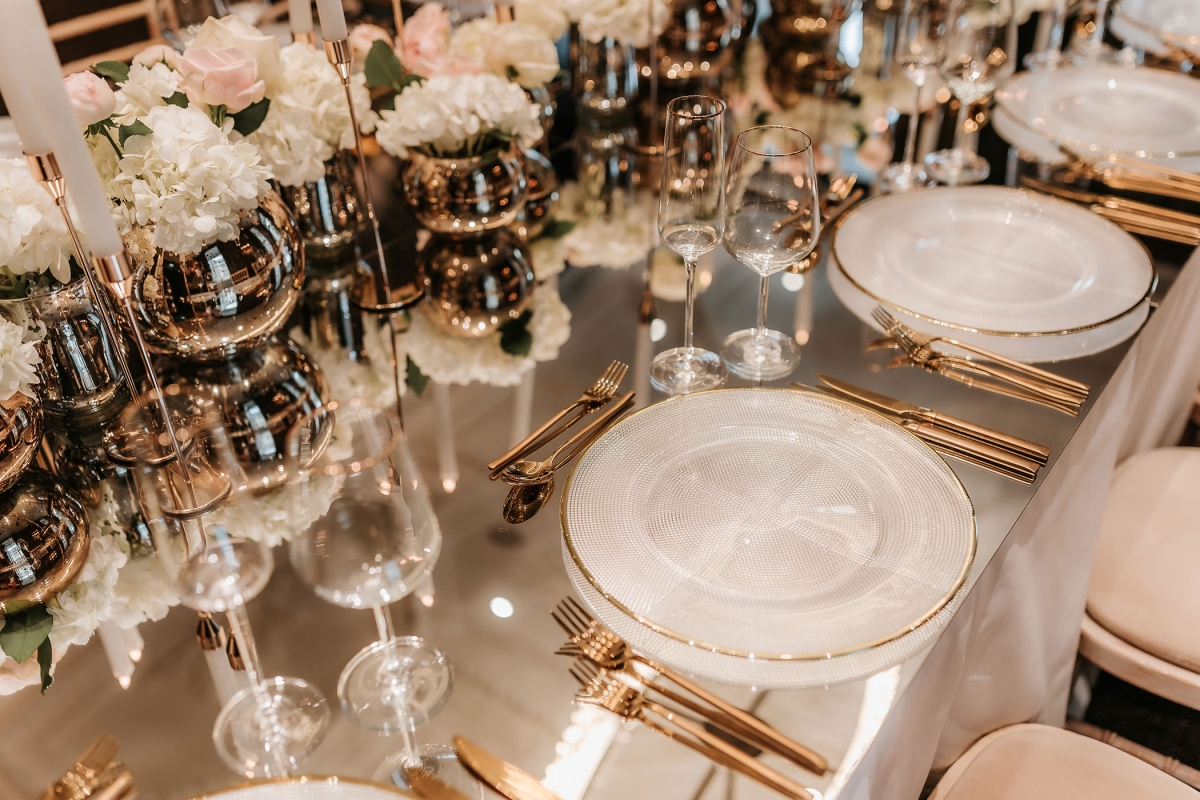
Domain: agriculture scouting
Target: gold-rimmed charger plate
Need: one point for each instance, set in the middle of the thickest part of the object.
(308, 787)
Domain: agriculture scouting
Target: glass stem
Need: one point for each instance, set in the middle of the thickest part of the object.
(764, 287)
(690, 303)
(383, 623)
(396, 695)
(1099, 23)
(960, 127)
(276, 763)
(910, 139)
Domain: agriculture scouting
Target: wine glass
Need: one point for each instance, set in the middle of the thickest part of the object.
(919, 43)
(367, 537)
(772, 221)
(266, 729)
(980, 52)
(690, 217)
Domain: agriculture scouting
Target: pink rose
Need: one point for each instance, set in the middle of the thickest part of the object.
(361, 39)
(90, 96)
(222, 76)
(158, 54)
(424, 44)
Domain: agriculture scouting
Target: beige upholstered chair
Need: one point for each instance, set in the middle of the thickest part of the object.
(1036, 762)
(1143, 611)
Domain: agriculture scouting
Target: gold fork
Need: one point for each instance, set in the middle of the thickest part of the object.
(610, 692)
(592, 398)
(891, 326)
(598, 644)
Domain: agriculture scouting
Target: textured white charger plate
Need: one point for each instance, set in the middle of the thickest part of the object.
(1144, 23)
(308, 788)
(1136, 112)
(767, 525)
(1018, 273)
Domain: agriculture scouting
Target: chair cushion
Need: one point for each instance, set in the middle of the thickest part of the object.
(1144, 583)
(1030, 762)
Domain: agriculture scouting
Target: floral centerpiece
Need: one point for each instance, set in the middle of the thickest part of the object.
(34, 245)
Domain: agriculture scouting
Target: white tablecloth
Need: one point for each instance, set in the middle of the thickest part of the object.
(1008, 655)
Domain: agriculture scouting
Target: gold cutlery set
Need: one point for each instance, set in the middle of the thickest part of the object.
(839, 198)
(1134, 175)
(609, 677)
(95, 776)
(1136, 217)
(508, 780)
(983, 370)
(532, 481)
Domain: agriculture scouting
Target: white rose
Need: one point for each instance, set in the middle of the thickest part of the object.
(233, 31)
(544, 15)
(524, 48)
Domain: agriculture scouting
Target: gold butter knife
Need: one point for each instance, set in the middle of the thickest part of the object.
(427, 785)
(507, 779)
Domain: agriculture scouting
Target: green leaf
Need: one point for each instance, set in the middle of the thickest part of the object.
(217, 115)
(23, 633)
(97, 128)
(761, 117)
(138, 128)
(248, 120)
(178, 99)
(113, 70)
(511, 73)
(382, 67)
(558, 228)
(515, 338)
(408, 80)
(413, 376)
(45, 655)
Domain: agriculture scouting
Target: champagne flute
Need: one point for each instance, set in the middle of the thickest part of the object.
(980, 52)
(367, 537)
(690, 217)
(772, 221)
(919, 43)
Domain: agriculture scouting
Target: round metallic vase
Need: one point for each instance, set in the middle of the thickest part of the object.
(465, 196)
(21, 422)
(227, 298)
(81, 379)
(541, 196)
(261, 394)
(327, 212)
(474, 286)
(43, 541)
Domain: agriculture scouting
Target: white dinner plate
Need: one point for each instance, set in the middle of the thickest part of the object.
(1136, 112)
(308, 788)
(1016, 272)
(1152, 24)
(768, 525)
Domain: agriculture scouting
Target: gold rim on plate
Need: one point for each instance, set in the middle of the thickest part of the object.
(756, 656)
(328, 780)
(986, 331)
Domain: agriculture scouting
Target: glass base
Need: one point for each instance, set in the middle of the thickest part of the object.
(383, 673)
(438, 760)
(760, 355)
(902, 176)
(271, 743)
(683, 370)
(957, 167)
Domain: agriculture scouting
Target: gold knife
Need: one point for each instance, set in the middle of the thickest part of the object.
(507, 779)
(899, 408)
(427, 785)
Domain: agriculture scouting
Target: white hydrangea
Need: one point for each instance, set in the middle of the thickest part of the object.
(618, 241)
(308, 119)
(146, 87)
(186, 178)
(269, 518)
(547, 256)
(453, 359)
(18, 361)
(457, 116)
(626, 21)
(517, 50)
(371, 381)
(80, 608)
(33, 236)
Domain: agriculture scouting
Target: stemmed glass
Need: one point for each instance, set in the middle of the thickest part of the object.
(919, 42)
(366, 536)
(980, 52)
(690, 217)
(772, 221)
(269, 727)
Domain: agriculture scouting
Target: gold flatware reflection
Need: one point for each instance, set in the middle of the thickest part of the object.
(427, 785)
(890, 405)
(839, 190)
(981, 383)
(594, 397)
(507, 779)
(1135, 217)
(592, 640)
(87, 773)
(610, 692)
(891, 325)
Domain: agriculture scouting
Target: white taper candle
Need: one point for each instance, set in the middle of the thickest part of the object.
(333, 20)
(300, 16)
(42, 72)
(18, 94)
(113, 639)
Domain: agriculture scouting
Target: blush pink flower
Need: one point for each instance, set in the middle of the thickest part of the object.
(361, 39)
(222, 76)
(91, 98)
(158, 54)
(424, 44)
